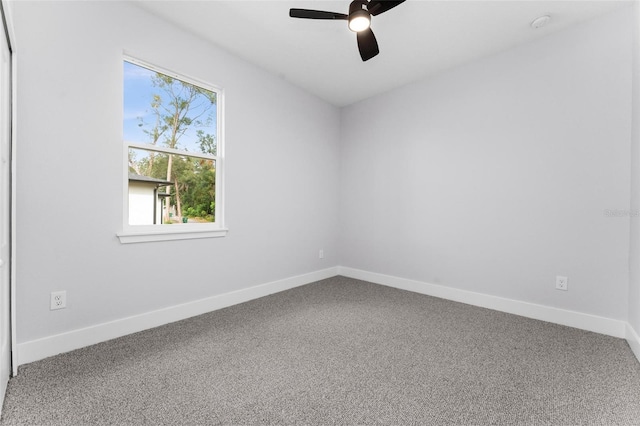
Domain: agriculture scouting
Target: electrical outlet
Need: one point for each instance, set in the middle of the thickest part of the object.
(321, 254)
(58, 300)
(562, 283)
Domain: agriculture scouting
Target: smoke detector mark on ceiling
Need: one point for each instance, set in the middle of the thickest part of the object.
(540, 22)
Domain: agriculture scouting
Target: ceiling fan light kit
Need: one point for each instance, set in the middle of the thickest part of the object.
(359, 20)
(359, 17)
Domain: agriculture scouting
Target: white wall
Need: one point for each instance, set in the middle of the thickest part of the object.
(142, 200)
(494, 177)
(281, 172)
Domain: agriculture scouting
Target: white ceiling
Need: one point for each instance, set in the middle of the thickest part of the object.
(417, 39)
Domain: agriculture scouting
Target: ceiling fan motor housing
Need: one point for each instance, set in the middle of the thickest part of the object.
(357, 5)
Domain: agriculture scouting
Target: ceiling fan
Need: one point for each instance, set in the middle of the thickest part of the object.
(359, 17)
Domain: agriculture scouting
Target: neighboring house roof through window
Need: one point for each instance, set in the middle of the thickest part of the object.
(139, 178)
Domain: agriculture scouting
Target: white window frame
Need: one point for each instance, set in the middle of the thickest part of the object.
(177, 231)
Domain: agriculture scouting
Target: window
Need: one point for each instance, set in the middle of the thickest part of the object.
(173, 155)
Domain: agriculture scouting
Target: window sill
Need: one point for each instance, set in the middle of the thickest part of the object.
(177, 232)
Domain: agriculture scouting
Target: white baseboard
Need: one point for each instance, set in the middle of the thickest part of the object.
(574, 319)
(634, 341)
(52, 345)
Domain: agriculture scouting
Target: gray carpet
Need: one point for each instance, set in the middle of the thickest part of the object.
(339, 351)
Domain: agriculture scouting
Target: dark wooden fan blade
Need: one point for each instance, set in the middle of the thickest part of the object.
(316, 14)
(376, 7)
(367, 44)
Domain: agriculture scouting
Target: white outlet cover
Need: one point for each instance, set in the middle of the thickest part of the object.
(58, 300)
(562, 283)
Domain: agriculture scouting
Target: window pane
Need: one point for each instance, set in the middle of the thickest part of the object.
(165, 111)
(168, 188)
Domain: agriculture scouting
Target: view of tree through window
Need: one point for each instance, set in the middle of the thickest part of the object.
(170, 132)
